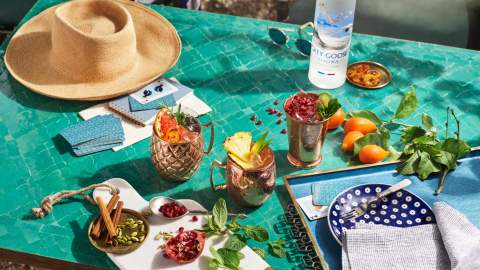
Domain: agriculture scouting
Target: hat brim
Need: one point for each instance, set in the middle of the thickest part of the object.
(27, 57)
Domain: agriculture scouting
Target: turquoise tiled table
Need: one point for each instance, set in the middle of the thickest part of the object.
(232, 65)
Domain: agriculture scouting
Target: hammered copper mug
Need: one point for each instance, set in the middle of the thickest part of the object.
(178, 162)
(248, 188)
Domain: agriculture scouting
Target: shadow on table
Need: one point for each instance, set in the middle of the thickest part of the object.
(30, 99)
(140, 173)
(83, 250)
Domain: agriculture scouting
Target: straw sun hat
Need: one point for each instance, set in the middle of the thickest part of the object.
(92, 49)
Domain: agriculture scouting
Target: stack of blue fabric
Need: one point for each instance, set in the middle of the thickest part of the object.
(94, 135)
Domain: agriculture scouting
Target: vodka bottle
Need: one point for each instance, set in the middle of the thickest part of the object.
(331, 42)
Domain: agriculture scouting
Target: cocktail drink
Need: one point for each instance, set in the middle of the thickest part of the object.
(306, 130)
(250, 170)
(177, 145)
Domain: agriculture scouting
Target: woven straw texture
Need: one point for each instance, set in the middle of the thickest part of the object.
(92, 49)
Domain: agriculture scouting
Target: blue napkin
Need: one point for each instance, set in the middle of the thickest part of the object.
(324, 192)
(93, 135)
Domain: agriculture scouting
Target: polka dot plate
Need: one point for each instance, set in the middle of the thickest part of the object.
(400, 209)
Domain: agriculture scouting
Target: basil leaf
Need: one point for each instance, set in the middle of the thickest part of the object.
(426, 140)
(457, 147)
(448, 159)
(235, 242)
(230, 257)
(276, 248)
(410, 133)
(367, 115)
(213, 264)
(220, 213)
(407, 105)
(259, 251)
(410, 165)
(234, 226)
(427, 121)
(426, 166)
(256, 232)
(379, 138)
(215, 255)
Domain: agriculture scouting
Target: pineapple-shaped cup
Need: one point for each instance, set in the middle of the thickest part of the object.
(177, 146)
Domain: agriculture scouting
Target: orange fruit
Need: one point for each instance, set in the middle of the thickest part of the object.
(372, 154)
(336, 120)
(350, 139)
(359, 124)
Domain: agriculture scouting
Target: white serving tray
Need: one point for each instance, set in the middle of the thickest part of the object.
(148, 255)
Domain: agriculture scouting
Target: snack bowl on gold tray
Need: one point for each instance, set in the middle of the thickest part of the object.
(381, 75)
(101, 244)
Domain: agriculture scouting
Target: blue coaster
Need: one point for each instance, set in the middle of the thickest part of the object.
(82, 151)
(91, 129)
(324, 192)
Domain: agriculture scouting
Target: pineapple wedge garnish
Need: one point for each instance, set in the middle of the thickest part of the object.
(238, 145)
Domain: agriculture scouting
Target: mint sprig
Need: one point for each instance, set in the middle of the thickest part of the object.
(327, 105)
(229, 256)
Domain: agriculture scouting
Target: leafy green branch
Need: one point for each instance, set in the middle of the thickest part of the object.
(423, 152)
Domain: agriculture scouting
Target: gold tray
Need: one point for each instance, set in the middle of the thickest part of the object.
(100, 243)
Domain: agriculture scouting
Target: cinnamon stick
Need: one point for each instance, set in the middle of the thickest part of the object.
(98, 226)
(116, 218)
(106, 217)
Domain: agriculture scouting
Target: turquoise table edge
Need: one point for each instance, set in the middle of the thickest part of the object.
(231, 64)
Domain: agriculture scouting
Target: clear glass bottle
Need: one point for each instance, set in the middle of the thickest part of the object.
(331, 42)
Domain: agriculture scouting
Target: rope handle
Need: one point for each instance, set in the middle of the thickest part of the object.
(46, 206)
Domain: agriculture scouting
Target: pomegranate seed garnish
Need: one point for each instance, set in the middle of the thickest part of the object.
(194, 218)
(279, 121)
(276, 102)
(165, 255)
(253, 118)
(284, 131)
(180, 230)
(258, 122)
(279, 114)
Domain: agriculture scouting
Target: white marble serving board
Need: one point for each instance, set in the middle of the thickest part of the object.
(148, 255)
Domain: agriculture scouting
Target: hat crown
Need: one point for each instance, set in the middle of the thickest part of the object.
(93, 40)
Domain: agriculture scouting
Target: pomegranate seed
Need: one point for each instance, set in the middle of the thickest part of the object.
(284, 131)
(165, 255)
(180, 230)
(279, 114)
(253, 118)
(194, 218)
(279, 121)
(258, 123)
(269, 109)
(276, 102)
(172, 209)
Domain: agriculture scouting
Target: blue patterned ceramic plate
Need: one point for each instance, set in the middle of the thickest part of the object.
(400, 209)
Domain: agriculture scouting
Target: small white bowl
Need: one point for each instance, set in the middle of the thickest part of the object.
(158, 201)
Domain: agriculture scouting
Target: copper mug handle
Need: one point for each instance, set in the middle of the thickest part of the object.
(216, 163)
(212, 137)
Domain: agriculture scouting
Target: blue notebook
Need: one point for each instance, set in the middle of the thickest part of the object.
(144, 112)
